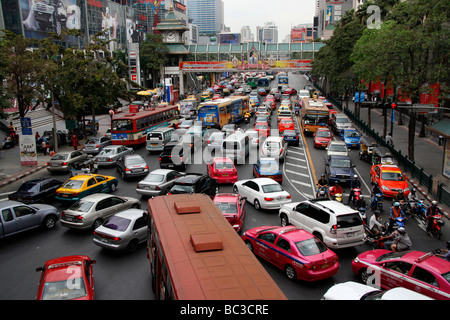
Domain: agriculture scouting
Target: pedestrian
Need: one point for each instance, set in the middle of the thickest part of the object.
(47, 150)
(37, 136)
(441, 139)
(75, 142)
(44, 147)
(389, 140)
(111, 113)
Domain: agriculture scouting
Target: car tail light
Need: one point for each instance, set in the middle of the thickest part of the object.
(208, 142)
(106, 236)
(97, 146)
(146, 167)
(110, 160)
(64, 163)
(157, 188)
(268, 199)
(126, 169)
(48, 163)
(333, 229)
(159, 159)
(288, 197)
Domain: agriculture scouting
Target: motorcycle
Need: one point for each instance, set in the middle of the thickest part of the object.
(356, 195)
(321, 193)
(247, 119)
(436, 225)
(336, 196)
(362, 213)
(377, 203)
(394, 224)
(375, 240)
(420, 211)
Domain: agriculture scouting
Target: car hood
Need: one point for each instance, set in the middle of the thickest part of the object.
(352, 139)
(44, 207)
(394, 184)
(348, 291)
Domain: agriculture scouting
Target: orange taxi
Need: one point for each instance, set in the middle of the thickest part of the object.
(390, 179)
(286, 123)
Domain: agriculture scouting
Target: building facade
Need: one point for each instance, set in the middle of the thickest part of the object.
(207, 15)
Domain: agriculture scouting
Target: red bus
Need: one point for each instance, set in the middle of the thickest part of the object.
(195, 254)
(132, 128)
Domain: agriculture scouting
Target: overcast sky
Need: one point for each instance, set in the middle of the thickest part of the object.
(285, 14)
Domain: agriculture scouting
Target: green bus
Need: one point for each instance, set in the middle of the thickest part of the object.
(253, 82)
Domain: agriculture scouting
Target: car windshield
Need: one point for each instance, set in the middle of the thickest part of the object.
(342, 120)
(224, 165)
(392, 176)
(73, 184)
(60, 156)
(154, 136)
(29, 186)
(323, 134)
(337, 147)
(340, 163)
(227, 207)
(107, 151)
(348, 220)
(289, 133)
(92, 141)
(272, 188)
(134, 161)
(117, 223)
(65, 289)
(269, 166)
(391, 255)
(261, 126)
(181, 188)
(273, 145)
(154, 178)
(311, 247)
(351, 134)
(81, 206)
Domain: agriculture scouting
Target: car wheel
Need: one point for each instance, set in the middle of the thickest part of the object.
(97, 223)
(257, 204)
(132, 245)
(235, 190)
(135, 206)
(122, 174)
(318, 236)
(290, 272)
(284, 220)
(49, 222)
(366, 276)
(113, 187)
(249, 245)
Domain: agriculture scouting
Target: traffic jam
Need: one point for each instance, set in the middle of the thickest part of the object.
(260, 125)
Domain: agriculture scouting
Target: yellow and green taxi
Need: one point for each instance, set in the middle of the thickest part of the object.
(206, 95)
(82, 185)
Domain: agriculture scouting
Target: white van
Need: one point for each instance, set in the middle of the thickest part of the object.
(157, 139)
(236, 146)
(334, 223)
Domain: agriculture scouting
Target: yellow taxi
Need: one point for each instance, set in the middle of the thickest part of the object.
(206, 95)
(82, 185)
(283, 108)
(192, 97)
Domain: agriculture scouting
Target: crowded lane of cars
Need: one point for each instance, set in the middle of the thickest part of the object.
(263, 206)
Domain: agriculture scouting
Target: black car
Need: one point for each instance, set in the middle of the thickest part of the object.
(174, 156)
(36, 191)
(195, 183)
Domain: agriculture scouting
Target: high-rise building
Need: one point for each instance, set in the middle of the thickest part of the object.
(268, 33)
(329, 14)
(246, 34)
(207, 15)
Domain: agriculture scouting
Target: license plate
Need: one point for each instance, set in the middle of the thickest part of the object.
(170, 165)
(55, 164)
(65, 195)
(354, 145)
(225, 175)
(138, 170)
(104, 240)
(350, 234)
(325, 265)
(154, 144)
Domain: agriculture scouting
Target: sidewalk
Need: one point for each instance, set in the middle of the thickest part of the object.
(11, 169)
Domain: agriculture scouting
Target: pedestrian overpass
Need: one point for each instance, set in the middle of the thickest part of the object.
(252, 56)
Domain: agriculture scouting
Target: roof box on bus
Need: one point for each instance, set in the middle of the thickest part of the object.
(206, 242)
(184, 207)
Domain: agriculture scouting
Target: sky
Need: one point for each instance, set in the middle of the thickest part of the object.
(285, 14)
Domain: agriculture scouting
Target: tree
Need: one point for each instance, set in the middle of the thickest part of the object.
(153, 55)
(22, 67)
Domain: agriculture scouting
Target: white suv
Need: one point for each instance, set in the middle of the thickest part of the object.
(334, 223)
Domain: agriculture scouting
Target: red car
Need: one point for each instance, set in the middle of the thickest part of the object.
(223, 170)
(290, 91)
(262, 128)
(216, 97)
(419, 271)
(271, 100)
(286, 124)
(67, 278)
(232, 206)
(294, 250)
(390, 179)
(322, 137)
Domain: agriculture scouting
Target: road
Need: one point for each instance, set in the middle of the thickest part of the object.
(123, 276)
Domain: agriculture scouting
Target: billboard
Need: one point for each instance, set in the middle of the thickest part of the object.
(200, 66)
(229, 38)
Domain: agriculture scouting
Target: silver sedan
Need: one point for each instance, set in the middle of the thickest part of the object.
(157, 182)
(123, 231)
(96, 144)
(64, 161)
(109, 155)
(92, 210)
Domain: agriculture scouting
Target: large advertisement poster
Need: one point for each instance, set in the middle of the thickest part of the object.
(43, 16)
(28, 155)
(301, 65)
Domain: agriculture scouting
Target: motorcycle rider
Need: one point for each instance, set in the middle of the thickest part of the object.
(412, 197)
(400, 242)
(431, 211)
(375, 223)
(375, 189)
(335, 189)
(355, 183)
(395, 212)
(322, 183)
(444, 253)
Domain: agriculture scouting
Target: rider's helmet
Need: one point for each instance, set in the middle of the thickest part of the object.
(401, 230)
(434, 203)
(377, 212)
(397, 204)
(355, 177)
